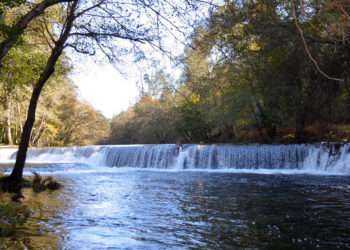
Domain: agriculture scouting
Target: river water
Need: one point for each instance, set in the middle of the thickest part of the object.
(104, 207)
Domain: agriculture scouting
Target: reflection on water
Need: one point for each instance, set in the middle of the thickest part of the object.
(40, 230)
(189, 210)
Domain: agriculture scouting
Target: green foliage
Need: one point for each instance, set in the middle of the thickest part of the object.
(5, 5)
(6, 29)
(247, 77)
(11, 3)
(62, 119)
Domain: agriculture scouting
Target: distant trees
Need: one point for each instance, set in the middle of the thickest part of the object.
(152, 119)
(79, 123)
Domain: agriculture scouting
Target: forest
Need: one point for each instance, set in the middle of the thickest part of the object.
(252, 71)
(256, 71)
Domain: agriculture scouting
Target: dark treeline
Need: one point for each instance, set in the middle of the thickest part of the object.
(262, 71)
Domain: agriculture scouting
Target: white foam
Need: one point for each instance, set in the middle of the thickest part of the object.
(261, 159)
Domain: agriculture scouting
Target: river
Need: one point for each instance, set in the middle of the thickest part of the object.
(180, 205)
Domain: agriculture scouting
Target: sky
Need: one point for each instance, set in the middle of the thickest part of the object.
(102, 85)
(110, 91)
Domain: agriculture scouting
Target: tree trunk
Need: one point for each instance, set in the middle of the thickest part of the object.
(8, 123)
(38, 132)
(19, 122)
(17, 172)
(23, 23)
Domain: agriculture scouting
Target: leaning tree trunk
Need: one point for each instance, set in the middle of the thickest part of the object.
(22, 24)
(17, 172)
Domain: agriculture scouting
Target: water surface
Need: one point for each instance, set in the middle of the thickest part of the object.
(117, 208)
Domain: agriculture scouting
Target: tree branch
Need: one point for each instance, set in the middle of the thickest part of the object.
(306, 47)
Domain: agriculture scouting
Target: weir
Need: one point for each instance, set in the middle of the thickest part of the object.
(330, 158)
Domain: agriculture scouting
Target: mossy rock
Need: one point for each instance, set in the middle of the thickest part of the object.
(40, 184)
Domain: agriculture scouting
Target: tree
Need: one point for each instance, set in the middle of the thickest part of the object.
(261, 71)
(14, 32)
(152, 119)
(82, 125)
(87, 27)
(17, 173)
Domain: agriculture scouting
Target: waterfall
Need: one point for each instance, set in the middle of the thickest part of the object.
(143, 156)
(245, 156)
(330, 158)
(6, 154)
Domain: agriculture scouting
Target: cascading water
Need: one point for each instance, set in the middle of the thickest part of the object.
(6, 154)
(327, 158)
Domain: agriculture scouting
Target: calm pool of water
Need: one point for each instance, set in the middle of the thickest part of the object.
(128, 209)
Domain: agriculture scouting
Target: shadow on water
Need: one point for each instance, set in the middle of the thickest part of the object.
(271, 212)
(33, 223)
(126, 209)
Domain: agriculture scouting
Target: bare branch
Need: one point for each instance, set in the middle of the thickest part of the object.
(306, 47)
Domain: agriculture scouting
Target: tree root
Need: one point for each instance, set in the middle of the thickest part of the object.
(37, 183)
(9, 185)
